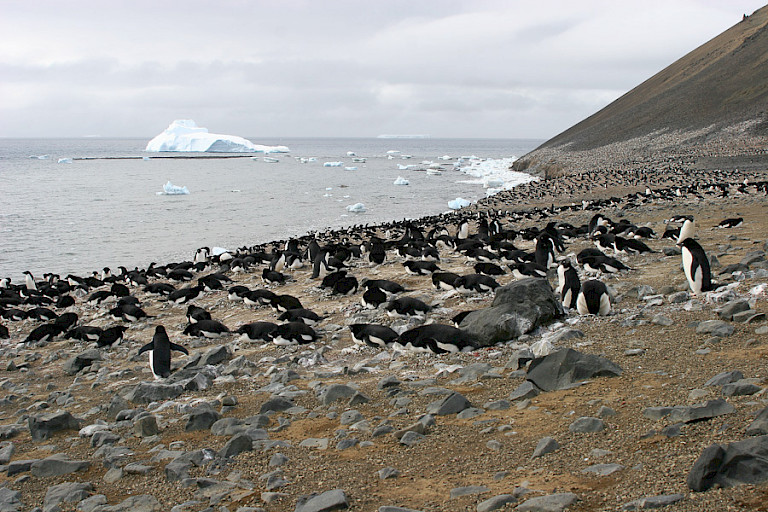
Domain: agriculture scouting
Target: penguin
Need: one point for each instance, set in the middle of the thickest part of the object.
(731, 223)
(696, 266)
(236, 293)
(272, 276)
(593, 299)
(119, 290)
(202, 255)
(458, 318)
(84, 333)
(160, 353)
(687, 230)
(477, 283)
(444, 280)
(65, 301)
(435, 338)
(43, 314)
(462, 231)
(376, 251)
(66, 320)
(185, 295)
(430, 253)
(630, 246)
(14, 314)
(568, 284)
(99, 297)
(545, 251)
(373, 335)
(180, 274)
(29, 280)
(407, 306)
(282, 303)
(307, 316)
(45, 332)
(489, 269)
(111, 336)
(164, 289)
(523, 270)
(258, 331)
(206, 329)
(345, 286)
(373, 297)
(421, 268)
(209, 283)
(195, 314)
(294, 333)
(388, 287)
(128, 313)
(330, 279)
(259, 297)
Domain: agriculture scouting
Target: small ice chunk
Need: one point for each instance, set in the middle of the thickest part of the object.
(401, 181)
(270, 160)
(351, 153)
(145, 158)
(65, 160)
(218, 251)
(39, 157)
(172, 190)
(333, 164)
(350, 168)
(458, 203)
(393, 152)
(356, 208)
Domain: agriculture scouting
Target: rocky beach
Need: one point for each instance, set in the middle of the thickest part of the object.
(574, 412)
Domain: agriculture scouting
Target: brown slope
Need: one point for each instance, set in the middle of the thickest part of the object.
(722, 83)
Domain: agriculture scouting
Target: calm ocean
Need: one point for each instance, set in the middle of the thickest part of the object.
(105, 211)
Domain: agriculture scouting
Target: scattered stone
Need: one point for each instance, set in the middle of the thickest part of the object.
(496, 503)
(277, 404)
(545, 445)
(715, 328)
(524, 391)
(662, 320)
(458, 492)
(10, 501)
(741, 388)
(742, 462)
(452, 404)
(679, 297)
(388, 472)
(57, 465)
(238, 444)
(141, 503)
(725, 378)
(603, 469)
(81, 360)
(146, 392)
(327, 501)
(702, 411)
(330, 394)
(653, 502)
(41, 427)
(316, 443)
(551, 503)
(497, 405)
(90, 503)
(135, 468)
(146, 426)
(587, 424)
(202, 418)
(565, 368)
(6, 452)
(411, 438)
(606, 412)
(278, 460)
(68, 492)
(731, 308)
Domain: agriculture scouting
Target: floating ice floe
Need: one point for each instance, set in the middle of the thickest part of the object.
(494, 174)
(270, 160)
(356, 208)
(351, 153)
(350, 168)
(458, 203)
(412, 167)
(185, 135)
(65, 160)
(333, 164)
(145, 158)
(359, 160)
(40, 157)
(401, 181)
(169, 189)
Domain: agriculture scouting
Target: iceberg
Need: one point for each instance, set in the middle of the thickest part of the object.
(458, 203)
(333, 164)
(494, 174)
(401, 181)
(65, 160)
(185, 135)
(169, 189)
(356, 208)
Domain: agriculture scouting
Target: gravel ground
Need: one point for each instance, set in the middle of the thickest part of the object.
(492, 449)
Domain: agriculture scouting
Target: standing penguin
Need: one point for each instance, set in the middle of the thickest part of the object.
(695, 266)
(593, 299)
(160, 353)
(568, 284)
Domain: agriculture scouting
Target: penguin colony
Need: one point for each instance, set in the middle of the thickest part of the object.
(496, 246)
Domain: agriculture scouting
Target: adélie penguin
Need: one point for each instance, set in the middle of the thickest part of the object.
(160, 353)
(695, 266)
(593, 299)
(373, 335)
(568, 284)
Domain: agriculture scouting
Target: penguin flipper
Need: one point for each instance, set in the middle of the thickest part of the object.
(179, 348)
(148, 346)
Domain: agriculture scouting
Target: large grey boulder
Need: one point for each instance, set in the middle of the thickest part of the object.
(517, 309)
(10, 501)
(142, 503)
(759, 426)
(146, 392)
(81, 360)
(742, 462)
(70, 492)
(41, 427)
(567, 367)
(327, 501)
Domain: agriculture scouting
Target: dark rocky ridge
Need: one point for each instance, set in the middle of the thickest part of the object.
(707, 109)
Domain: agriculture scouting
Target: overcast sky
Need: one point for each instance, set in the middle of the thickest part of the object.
(335, 68)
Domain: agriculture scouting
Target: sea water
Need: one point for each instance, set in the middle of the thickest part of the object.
(103, 204)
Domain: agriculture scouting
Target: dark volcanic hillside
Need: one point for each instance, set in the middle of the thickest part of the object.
(717, 92)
